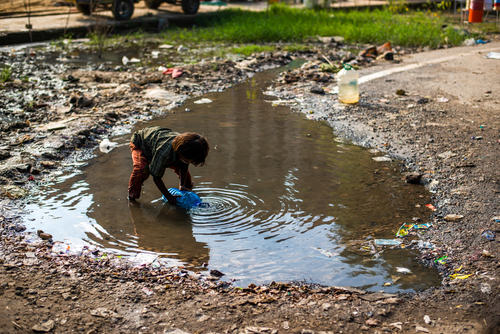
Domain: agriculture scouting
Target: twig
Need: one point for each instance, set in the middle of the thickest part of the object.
(328, 60)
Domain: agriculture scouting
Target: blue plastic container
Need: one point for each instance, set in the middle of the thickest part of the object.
(188, 200)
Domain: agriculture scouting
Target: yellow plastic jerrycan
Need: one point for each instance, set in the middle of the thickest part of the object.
(347, 80)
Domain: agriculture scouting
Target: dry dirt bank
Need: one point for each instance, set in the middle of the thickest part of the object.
(92, 293)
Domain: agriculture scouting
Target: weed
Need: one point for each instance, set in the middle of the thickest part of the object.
(249, 49)
(5, 74)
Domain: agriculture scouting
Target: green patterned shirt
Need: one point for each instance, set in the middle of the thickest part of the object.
(156, 144)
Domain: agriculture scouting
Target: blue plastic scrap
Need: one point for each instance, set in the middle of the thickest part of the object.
(188, 199)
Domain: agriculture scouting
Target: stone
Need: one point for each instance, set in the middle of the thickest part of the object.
(44, 327)
(317, 90)
(413, 178)
(372, 322)
(12, 192)
(4, 154)
(203, 318)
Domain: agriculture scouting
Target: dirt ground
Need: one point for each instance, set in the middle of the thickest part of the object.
(441, 118)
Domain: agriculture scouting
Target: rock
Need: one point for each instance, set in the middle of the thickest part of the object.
(326, 306)
(48, 164)
(377, 296)
(317, 90)
(421, 329)
(23, 168)
(4, 154)
(413, 178)
(44, 327)
(13, 192)
(66, 295)
(203, 318)
(372, 322)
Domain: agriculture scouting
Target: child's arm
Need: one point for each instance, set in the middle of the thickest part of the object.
(161, 186)
(185, 182)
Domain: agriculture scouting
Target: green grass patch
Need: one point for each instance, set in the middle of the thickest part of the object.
(294, 25)
(249, 49)
(5, 74)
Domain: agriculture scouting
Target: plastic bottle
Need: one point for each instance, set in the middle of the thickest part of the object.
(348, 84)
(187, 200)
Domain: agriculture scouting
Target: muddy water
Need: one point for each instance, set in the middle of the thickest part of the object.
(282, 191)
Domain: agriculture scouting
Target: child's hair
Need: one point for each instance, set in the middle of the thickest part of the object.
(191, 146)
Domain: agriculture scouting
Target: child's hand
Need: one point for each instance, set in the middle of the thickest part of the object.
(173, 199)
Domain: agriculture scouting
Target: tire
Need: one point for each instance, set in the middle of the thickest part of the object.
(190, 6)
(153, 4)
(123, 9)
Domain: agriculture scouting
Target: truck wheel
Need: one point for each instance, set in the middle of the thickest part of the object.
(190, 6)
(123, 9)
(153, 4)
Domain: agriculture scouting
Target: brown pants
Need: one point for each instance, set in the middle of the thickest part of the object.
(140, 173)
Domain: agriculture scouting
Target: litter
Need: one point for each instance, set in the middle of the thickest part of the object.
(459, 276)
(142, 259)
(387, 242)
(325, 252)
(430, 206)
(425, 226)
(453, 217)
(441, 260)
(421, 329)
(404, 230)
(427, 319)
(176, 72)
(125, 60)
(485, 253)
(424, 244)
(165, 46)
(203, 100)
(403, 270)
(188, 199)
(489, 235)
(485, 288)
(106, 146)
(496, 219)
(182, 48)
(493, 55)
(442, 99)
(147, 291)
(60, 249)
(380, 159)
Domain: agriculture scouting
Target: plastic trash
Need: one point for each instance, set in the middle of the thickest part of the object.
(489, 235)
(425, 226)
(404, 230)
(441, 260)
(430, 206)
(387, 242)
(106, 146)
(480, 41)
(325, 252)
(425, 244)
(452, 217)
(125, 60)
(60, 249)
(347, 79)
(203, 100)
(493, 55)
(403, 270)
(182, 48)
(485, 288)
(427, 319)
(188, 200)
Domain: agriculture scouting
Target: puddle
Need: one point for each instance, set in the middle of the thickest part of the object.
(283, 192)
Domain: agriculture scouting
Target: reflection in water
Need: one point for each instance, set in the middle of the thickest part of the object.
(280, 189)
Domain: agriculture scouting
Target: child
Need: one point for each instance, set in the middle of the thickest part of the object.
(155, 148)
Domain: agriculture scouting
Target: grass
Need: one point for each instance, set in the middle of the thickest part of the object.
(5, 74)
(294, 25)
(249, 49)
